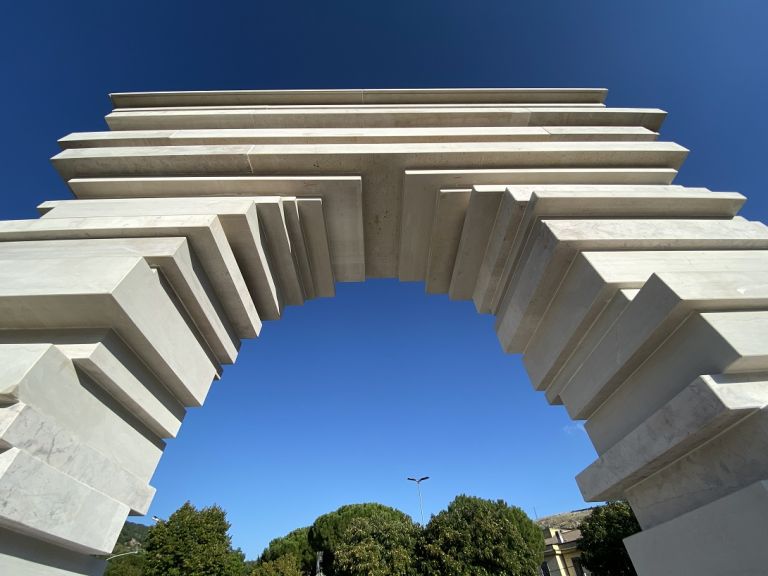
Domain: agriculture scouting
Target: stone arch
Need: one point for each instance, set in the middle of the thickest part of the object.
(638, 304)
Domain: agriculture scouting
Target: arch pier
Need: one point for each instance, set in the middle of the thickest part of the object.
(638, 304)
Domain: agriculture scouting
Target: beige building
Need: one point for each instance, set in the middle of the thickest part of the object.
(562, 556)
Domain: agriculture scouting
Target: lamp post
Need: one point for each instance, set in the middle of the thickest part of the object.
(418, 487)
(123, 554)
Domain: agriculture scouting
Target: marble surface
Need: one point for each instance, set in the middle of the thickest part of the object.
(638, 304)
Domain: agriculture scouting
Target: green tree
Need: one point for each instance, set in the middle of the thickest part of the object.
(192, 543)
(328, 531)
(602, 535)
(480, 537)
(381, 544)
(295, 544)
(132, 538)
(286, 565)
(131, 565)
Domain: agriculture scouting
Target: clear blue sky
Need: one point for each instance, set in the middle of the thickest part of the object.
(344, 398)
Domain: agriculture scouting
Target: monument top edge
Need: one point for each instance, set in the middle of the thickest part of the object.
(361, 96)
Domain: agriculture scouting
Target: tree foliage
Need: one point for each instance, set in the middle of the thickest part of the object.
(285, 565)
(132, 538)
(602, 535)
(295, 544)
(380, 544)
(329, 530)
(480, 537)
(131, 565)
(192, 543)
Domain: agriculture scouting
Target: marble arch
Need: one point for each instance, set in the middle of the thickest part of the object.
(640, 305)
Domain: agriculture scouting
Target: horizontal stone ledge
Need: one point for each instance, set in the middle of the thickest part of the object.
(727, 535)
(205, 234)
(420, 189)
(729, 462)
(380, 166)
(172, 257)
(242, 220)
(592, 282)
(75, 403)
(241, 226)
(22, 427)
(108, 362)
(384, 117)
(71, 515)
(555, 243)
(23, 555)
(364, 96)
(446, 233)
(665, 300)
(604, 319)
(120, 293)
(341, 197)
(246, 159)
(531, 204)
(705, 408)
(353, 135)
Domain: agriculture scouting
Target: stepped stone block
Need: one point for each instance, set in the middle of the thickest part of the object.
(298, 248)
(312, 214)
(555, 243)
(341, 196)
(591, 96)
(380, 165)
(238, 217)
(175, 261)
(728, 537)
(379, 117)
(23, 478)
(420, 189)
(355, 135)
(22, 555)
(693, 481)
(475, 232)
(701, 411)
(205, 235)
(587, 342)
(446, 234)
(76, 405)
(122, 293)
(38, 436)
(658, 310)
(591, 282)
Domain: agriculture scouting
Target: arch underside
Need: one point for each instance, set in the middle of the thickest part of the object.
(640, 305)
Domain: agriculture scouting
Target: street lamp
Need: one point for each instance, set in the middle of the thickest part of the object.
(123, 554)
(418, 487)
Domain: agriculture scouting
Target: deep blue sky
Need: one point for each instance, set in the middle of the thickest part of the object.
(343, 398)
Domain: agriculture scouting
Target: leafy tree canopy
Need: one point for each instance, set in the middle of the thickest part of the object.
(602, 535)
(295, 544)
(328, 531)
(379, 544)
(192, 543)
(481, 538)
(130, 565)
(285, 565)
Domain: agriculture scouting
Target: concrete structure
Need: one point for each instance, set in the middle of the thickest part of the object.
(640, 305)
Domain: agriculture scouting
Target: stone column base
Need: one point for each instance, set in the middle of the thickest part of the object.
(726, 537)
